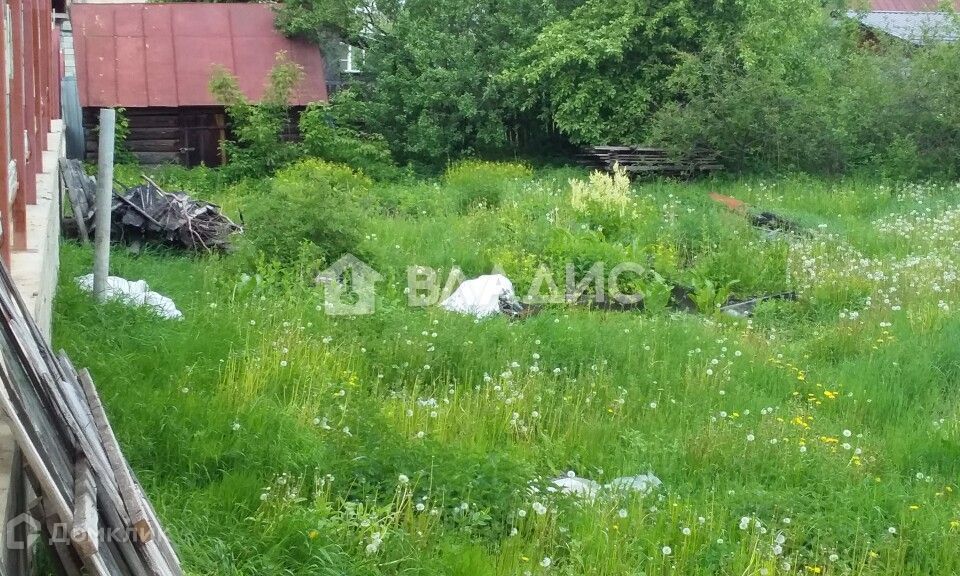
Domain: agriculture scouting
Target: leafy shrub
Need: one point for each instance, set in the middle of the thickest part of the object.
(605, 201)
(709, 295)
(479, 183)
(421, 199)
(312, 206)
(656, 292)
(324, 136)
(257, 147)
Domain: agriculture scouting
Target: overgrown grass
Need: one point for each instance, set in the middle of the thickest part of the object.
(819, 437)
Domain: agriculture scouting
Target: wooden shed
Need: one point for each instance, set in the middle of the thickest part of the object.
(156, 61)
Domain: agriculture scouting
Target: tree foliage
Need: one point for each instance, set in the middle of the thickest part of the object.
(773, 85)
(435, 65)
(257, 147)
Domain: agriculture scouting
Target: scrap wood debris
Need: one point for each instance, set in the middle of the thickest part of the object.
(148, 213)
(768, 221)
(494, 294)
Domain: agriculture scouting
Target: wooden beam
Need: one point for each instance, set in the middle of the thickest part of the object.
(85, 531)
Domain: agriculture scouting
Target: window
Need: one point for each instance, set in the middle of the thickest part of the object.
(351, 59)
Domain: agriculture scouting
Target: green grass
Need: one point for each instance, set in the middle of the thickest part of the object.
(274, 439)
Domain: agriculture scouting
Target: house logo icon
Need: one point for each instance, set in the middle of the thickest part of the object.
(349, 287)
(21, 532)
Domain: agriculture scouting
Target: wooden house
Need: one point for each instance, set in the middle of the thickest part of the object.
(156, 62)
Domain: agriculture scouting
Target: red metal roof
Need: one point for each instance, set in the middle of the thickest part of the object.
(906, 5)
(139, 55)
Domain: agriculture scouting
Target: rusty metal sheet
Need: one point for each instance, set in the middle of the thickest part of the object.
(140, 55)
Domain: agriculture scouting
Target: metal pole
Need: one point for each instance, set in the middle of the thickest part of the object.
(101, 254)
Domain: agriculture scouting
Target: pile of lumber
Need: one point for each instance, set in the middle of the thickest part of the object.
(646, 160)
(88, 506)
(147, 213)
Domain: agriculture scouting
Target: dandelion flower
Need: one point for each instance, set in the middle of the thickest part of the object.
(546, 562)
(686, 531)
(622, 513)
(892, 530)
(667, 550)
(403, 479)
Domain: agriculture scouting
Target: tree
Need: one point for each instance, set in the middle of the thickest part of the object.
(434, 68)
(602, 72)
(257, 147)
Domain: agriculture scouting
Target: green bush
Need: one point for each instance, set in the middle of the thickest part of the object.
(479, 183)
(312, 206)
(257, 147)
(325, 137)
(420, 199)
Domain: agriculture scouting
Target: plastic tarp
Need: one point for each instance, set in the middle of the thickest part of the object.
(136, 293)
(480, 296)
(642, 484)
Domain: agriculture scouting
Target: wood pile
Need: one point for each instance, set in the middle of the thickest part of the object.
(89, 507)
(147, 213)
(646, 160)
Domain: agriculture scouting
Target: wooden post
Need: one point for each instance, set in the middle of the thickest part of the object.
(101, 254)
(6, 232)
(18, 129)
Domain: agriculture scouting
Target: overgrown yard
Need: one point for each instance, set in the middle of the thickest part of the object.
(819, 436)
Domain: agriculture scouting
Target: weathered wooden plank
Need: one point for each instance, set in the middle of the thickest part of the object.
(153, 133)
(73, 458)
(151, 158)
(76, 195)
(154, 145)
(128, 491)
(85, 530)
(51, 482)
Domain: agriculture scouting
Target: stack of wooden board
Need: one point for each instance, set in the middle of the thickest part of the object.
(89, 506)
(646, 160)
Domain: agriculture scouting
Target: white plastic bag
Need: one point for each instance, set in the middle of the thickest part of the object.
(135, 294)
(480, 296)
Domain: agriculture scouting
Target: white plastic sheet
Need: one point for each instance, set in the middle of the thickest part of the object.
(480, 296)
(134, 294)
(588, 489)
